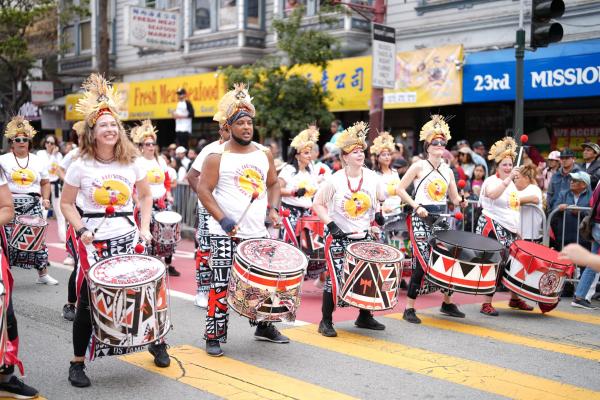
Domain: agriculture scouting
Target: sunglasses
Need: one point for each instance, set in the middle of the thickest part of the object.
(148, 144)
(50, 143)
(21, 140)
(438, 142)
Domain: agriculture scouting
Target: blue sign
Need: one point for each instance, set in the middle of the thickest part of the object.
(559, 71)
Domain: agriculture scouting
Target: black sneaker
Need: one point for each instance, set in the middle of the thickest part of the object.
(161, 357)
(17, 389)
(77, 375)
(326, 329)
(269, 333)
(172, 271)
(451, 310)
(582, 303)
(410, 316)
(68, 312)
(213, 348)
(365, 320)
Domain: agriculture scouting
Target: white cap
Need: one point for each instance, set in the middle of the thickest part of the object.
(180, 149)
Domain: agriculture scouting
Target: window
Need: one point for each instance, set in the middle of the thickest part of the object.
(290, 5)
(202, 14)
(85, 36)
(162, 4)
(68, 39)
(254, 13)
(227, 14)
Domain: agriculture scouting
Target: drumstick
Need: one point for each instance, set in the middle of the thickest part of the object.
(461, 185)
(108, 211)
(254, 197)
(524, 139)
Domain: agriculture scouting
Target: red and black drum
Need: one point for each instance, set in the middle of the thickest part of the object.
(266, 279)
(310, 231)
(29, 233)
(535, 273)
(128, 298)
(464, 262)
(371, 275)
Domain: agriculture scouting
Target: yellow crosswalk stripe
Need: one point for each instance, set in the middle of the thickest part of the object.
(475, 330)
(229, 378)
(585, 318)
(477, 375)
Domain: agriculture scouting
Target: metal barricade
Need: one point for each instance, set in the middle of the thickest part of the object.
(577, 209)
(185, 204)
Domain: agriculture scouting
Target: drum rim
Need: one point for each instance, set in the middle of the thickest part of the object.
(121, 286)
(165, 213)
(41, 225)
(552, 263)
(249, 262)
(349, 250)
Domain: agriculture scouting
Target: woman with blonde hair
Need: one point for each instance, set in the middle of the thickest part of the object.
(530, 193)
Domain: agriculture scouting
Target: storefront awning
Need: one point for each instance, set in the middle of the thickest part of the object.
(562, 70)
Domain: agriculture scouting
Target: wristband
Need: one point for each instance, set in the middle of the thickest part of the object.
(81, 231)
(275, 208)
(227, 224)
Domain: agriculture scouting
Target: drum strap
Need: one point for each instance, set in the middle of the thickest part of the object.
(125, 214)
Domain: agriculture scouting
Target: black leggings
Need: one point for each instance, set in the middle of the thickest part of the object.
(72, 291)
(82, 325)
(416, 278)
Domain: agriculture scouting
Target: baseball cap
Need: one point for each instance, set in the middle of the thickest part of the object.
(180, 149)
(477, 144)
(464, 150)
(462, 142)
(592, 146)
(565, 153)
(554, 155)
(399, 163)
(181, 91)
(581, 176)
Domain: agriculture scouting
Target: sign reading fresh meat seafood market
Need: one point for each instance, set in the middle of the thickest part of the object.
(154, 29)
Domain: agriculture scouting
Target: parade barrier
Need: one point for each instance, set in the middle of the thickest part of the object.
(185, 204)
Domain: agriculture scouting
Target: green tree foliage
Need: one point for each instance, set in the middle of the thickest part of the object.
(287, 102)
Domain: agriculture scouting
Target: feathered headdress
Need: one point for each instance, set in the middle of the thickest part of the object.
(506, 147)
(100, 98)
(437, 127)
(306, 138)
(384, 141)
(235, 104)
(79, 127)
(352, 137)
(19, 125)
(140, 132)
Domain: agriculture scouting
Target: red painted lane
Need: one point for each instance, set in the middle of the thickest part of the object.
(310, 309)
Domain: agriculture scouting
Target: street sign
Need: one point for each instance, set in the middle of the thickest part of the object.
(384, 56)
(41, 91)
(153, 29)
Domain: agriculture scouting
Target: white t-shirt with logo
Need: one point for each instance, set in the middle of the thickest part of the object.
(432, 189)
(23, 174)
(505, 209)
(531, 220)
(295, 180)
(53, 162)
(155, 173)
(101, 185)
(389, 182)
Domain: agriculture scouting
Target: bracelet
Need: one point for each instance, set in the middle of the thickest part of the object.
(81, 231)
(276, 209)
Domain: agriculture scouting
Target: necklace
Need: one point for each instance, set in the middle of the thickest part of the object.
(359, 183)
(17, 161)
(105, 161)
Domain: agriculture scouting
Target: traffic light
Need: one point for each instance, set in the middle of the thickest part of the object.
(543, 31)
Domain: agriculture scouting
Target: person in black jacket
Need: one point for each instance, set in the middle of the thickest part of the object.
(591, 162)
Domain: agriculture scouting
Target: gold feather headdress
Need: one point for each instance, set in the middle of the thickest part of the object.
(384, 141)
(437, 127)
(506, 147)
(232, 103)
(79, 127)
(19, 125)
(352, 137)
(140, 132)
(306, 138)
(100, 98)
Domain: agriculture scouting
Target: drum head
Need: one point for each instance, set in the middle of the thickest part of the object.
(272, 255)
(167, 217)
(468, 240)
(468, 247)
(542, 252)
(126, 270)
(376, 252)
(30, 220)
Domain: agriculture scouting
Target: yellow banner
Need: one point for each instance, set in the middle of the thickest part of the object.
(427, 77)
(70, 103)
(348, 80)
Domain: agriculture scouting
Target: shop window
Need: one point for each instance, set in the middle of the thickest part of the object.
(254, 13)
(85, 36)
(228, 14)
(202, 14)
(68, 39)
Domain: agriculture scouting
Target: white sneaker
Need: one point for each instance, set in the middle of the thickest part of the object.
(69, 261)
(201, 299)
(46, 280)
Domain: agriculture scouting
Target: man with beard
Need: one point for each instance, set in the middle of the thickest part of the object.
(240, 174)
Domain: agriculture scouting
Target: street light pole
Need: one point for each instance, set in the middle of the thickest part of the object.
(519, 75)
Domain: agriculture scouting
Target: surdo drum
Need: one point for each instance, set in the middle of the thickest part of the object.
(166, 228)
(371, 275)
(536, 273)
(266, 278)
(464, 262)
(29, 233)
(129, 300)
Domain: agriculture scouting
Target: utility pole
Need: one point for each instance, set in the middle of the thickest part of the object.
(519, 84)
(104, 41)
(377, 11)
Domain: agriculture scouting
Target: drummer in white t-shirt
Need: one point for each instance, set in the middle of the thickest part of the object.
(382, 148)
(347, 203)
(500, 216)
(530, 193)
